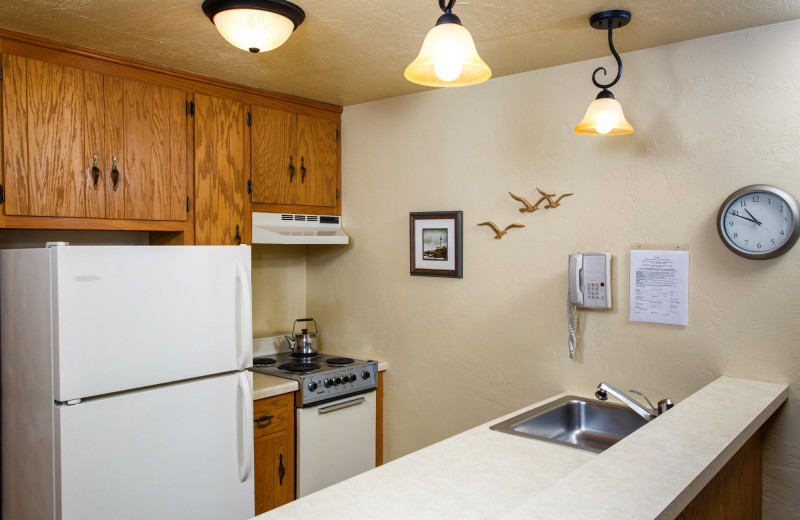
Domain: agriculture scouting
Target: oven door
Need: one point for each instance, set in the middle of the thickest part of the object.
(335, 441)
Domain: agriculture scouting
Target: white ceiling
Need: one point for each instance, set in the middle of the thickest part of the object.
(353, 51)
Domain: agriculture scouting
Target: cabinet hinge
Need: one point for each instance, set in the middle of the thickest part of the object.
(1, 73)
(337, 193)
(190, 108)
(337, 134)
(249, 119)
(187, 204)
(2, 194)
(249, 186)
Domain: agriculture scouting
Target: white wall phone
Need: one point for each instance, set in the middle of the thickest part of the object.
(589, 288)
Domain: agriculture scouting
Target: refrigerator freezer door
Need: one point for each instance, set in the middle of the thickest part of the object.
(131, 317)
(163, 453)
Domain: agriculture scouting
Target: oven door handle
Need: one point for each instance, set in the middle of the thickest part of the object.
(340, 406)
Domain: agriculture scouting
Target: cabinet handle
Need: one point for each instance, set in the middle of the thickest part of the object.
(291, 168)
(263, 421)
(238, 237)
(95, 171)
(281, 470)
(302, 170)
(114, 172)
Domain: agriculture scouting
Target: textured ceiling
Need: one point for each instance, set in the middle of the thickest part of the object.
(353, 51)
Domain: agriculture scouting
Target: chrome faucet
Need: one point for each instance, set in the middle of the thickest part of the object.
(603, 389)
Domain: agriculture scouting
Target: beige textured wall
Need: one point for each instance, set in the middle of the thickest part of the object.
(279, 288)
(711, 115)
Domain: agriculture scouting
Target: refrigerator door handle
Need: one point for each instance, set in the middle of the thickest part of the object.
(243, 316)
(244, 417)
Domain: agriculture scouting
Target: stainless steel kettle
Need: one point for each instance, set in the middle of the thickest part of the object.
(304, 343)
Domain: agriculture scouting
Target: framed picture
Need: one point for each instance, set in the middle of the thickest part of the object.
(436, 243)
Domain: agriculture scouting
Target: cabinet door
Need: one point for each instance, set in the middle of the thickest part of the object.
(52, 129)
(318, 148)
(274, 162)
(220, 177)
(146, 139)
(274, 478)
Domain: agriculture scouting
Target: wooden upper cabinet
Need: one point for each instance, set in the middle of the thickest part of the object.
(295, 158)
(145, 150)
(53, 137)
(80, 144)
(220, 173)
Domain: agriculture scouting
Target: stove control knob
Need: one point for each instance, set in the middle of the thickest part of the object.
(365, 374)
(352, 378)
(337, 381)
(328, 383)
(312, 386)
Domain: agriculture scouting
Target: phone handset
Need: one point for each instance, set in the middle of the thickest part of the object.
(589, 287)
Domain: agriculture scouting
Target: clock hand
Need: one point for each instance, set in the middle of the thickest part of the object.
(748, 219)
(751, 216)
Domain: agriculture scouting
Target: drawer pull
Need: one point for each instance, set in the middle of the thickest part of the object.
(291, 169)
(281, 470)
(95, 171)
(114, 172)
(263, 421)
(303, 170)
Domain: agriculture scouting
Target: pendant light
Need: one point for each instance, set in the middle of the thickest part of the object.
(448, 57)
(604, 115)
(254, 25)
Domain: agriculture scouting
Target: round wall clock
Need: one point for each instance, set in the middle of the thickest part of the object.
(759, 222)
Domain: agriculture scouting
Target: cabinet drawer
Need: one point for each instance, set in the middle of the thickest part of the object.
(272, 414)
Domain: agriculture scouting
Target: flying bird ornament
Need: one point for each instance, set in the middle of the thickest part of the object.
(498, 232)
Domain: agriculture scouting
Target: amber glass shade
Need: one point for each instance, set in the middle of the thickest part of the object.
(253, 30)
(448, 58)
(604, 117)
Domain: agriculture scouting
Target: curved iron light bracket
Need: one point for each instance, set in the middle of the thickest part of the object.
(448, 16)
(607, 20)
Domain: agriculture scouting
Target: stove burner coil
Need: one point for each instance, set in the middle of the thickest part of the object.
(263, 361)
(300, 355)
(340, 361)
(299, 366)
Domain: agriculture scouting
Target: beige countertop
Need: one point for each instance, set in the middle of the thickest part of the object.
(481, 473)
(270, 386)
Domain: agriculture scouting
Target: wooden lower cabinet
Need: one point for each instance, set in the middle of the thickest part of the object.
(273, 436)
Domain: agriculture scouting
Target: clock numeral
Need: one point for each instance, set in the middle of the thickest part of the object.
(742, 203)
(736, 235)
(785, 219)
(730, 222)
(773, 241)
(758, 245)
(755, 198)
(782, 233)
(769, 200)
(746, 241)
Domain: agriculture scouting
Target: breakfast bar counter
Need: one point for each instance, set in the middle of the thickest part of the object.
(481, 473)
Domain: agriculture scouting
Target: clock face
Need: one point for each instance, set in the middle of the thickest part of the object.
(759, 222)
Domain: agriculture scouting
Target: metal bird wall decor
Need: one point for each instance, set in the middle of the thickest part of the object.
(498, 232)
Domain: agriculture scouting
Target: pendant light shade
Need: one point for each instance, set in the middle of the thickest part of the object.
(604, 115)
(448, 57)
(254, 25)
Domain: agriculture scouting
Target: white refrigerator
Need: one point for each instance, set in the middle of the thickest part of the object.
(125, 393)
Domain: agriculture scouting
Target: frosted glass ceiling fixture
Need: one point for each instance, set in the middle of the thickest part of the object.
(254, 25)
(448, 57)
(604, 115)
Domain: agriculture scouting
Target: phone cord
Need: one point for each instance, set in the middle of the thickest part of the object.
(572, 324)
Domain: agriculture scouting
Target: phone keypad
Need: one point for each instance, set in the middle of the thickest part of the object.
(596, 290)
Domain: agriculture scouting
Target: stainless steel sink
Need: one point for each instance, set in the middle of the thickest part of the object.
(576, 422)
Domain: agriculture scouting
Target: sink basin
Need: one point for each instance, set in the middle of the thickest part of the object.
(576, 422)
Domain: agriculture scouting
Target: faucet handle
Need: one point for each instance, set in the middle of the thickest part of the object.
(645, 398)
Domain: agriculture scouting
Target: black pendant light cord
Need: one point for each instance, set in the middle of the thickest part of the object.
(598, 69)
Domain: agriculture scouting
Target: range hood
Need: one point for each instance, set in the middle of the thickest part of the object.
(289, 228)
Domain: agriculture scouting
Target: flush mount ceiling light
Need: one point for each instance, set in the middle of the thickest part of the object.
(448, 57)
(254, 25)
(604, 115)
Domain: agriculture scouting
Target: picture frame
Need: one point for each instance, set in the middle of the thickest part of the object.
(436, 243)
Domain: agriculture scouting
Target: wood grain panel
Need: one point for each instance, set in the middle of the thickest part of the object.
(317, 145)
(272, 147)
(154, 164)
(114, 94)
(94, 137)
(220, 176)
(15, 134)
(269, 451)
(735, 492)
